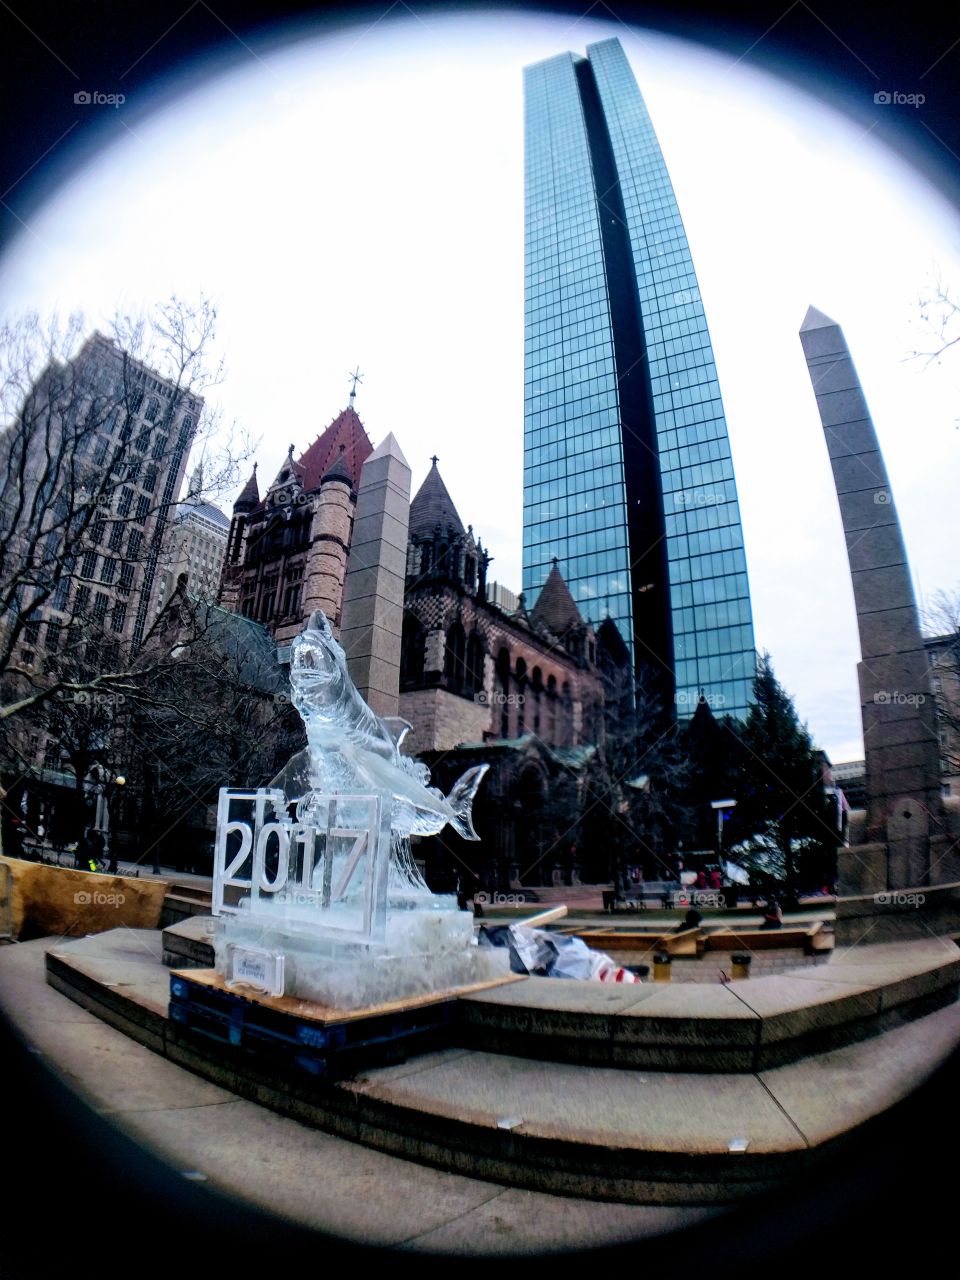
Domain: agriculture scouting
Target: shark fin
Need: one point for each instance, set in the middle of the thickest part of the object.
(461, 799)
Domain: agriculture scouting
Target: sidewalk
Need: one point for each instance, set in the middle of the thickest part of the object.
(323, 1182)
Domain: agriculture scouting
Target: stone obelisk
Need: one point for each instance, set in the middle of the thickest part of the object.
(371, 623)
(902, 842)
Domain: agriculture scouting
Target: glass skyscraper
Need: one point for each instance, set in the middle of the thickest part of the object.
(628, 480)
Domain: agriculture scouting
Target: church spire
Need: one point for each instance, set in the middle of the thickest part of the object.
(250, 494)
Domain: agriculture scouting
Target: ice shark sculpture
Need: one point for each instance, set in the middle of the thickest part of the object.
(311, 925)
(350, 748)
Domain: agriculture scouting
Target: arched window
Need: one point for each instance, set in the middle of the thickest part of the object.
(412, 649)
(475, 655)
(503, 666)
(566, 722)
(426, 557)
(454, 667)
(503, 690)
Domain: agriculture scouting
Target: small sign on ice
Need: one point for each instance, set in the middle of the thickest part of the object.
(257, 968)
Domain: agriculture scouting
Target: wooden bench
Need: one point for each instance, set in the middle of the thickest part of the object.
(685, 942)
(810, 938)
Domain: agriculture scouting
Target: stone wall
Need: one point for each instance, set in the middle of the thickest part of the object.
(442, 720)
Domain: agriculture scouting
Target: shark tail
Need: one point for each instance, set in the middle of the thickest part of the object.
(461, 799)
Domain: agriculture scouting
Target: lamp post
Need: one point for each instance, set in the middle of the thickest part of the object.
(721, 806)
(119, 781)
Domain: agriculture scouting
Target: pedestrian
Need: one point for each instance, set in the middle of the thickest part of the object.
(97, 846)
(82, 852)
(690, 921)
(773, 915)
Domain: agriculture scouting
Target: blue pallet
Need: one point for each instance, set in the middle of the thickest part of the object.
(335, 1049)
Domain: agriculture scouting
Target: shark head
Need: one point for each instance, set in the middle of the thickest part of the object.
(318, 671)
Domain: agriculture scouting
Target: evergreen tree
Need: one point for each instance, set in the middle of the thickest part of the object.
(783, 817)
(638, 805)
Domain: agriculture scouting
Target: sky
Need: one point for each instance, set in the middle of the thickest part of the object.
(358, 199)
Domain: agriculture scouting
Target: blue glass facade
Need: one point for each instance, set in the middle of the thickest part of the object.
(628, 479)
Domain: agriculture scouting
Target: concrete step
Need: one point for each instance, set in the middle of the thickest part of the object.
(189, 943)
(748, 1025)
(634, 1136)
(178, 907)
(195, 892)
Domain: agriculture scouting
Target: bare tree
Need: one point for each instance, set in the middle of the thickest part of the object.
(90, 468)
(222, 717)
(940, 315)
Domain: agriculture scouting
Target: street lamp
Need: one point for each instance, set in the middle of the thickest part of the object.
(721, 807)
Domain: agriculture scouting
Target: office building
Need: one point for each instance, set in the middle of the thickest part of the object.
(628, 480)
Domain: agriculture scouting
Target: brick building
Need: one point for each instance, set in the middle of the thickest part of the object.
(520, 690)
(943, 652)
(471, 671)
(287, 551)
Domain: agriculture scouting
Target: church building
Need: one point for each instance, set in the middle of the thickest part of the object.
(482, 679)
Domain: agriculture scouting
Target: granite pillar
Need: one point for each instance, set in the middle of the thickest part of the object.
(891, 846)
(372, 613)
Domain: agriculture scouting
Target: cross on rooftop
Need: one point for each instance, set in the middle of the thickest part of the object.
(355, 377)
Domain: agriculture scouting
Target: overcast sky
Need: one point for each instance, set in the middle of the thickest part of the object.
(359, 199)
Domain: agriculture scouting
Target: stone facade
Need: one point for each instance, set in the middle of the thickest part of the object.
(194, 545)
(469, 670)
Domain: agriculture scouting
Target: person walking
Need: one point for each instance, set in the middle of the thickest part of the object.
(83, 852)
(97, 846)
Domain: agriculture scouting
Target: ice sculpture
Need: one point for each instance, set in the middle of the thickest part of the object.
(351, 749)
(313, 875)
